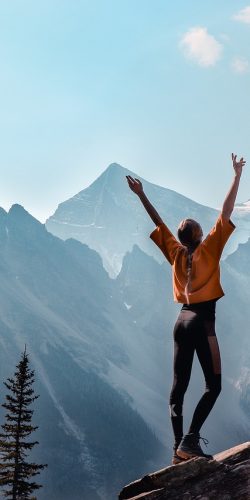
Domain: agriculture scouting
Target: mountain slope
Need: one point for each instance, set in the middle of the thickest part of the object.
(56, 297)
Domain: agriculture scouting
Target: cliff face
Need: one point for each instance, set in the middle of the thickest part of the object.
(226, 477)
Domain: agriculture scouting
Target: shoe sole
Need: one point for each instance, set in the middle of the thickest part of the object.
(176, 461)
(186, 455)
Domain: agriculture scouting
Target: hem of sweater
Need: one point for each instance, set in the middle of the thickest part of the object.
(198, 300)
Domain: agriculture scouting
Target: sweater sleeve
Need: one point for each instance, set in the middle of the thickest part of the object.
(218, 236)
(166, 241)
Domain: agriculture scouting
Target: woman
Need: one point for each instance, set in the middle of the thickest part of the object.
(196, 285)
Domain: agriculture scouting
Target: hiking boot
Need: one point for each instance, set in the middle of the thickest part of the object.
(189, 447)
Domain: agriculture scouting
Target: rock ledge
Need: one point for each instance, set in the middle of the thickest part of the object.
(226, 477)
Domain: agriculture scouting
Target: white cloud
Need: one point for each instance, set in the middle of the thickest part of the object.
(240, 65)
(243, 15)
(201, 47)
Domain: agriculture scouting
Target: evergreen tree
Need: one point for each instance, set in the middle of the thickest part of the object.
(15, 470)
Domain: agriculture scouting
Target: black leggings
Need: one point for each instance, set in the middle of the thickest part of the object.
(194, 331)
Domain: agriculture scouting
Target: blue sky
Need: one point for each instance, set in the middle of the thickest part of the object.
(163, 88)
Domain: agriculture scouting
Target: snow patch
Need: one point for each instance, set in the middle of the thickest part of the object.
(244, 379)
(128, 306)
(243, 207)
(62, 222)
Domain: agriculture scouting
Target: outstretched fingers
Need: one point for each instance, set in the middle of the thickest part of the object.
(131, 181)
(240, 163)
(134, 184)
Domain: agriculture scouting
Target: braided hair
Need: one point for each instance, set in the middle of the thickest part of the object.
(189, 233)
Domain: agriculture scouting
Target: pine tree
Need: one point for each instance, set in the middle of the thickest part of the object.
(15, 471)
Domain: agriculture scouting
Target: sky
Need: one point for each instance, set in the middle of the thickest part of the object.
(160, 87)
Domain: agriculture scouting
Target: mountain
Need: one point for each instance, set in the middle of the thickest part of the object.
(110, 218)
(102, 353)
(237, 278)
(56, 298)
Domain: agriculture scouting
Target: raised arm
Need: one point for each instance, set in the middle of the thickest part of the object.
(228, 204)
(136, 186)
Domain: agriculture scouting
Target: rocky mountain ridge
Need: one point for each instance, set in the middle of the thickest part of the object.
(109, 217)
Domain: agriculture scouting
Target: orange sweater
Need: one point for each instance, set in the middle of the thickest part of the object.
(205, 274)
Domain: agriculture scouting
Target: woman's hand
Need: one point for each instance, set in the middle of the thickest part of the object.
(135, 185)
(238, 165)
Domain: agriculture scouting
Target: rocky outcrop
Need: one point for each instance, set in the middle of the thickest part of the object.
(226, 477)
